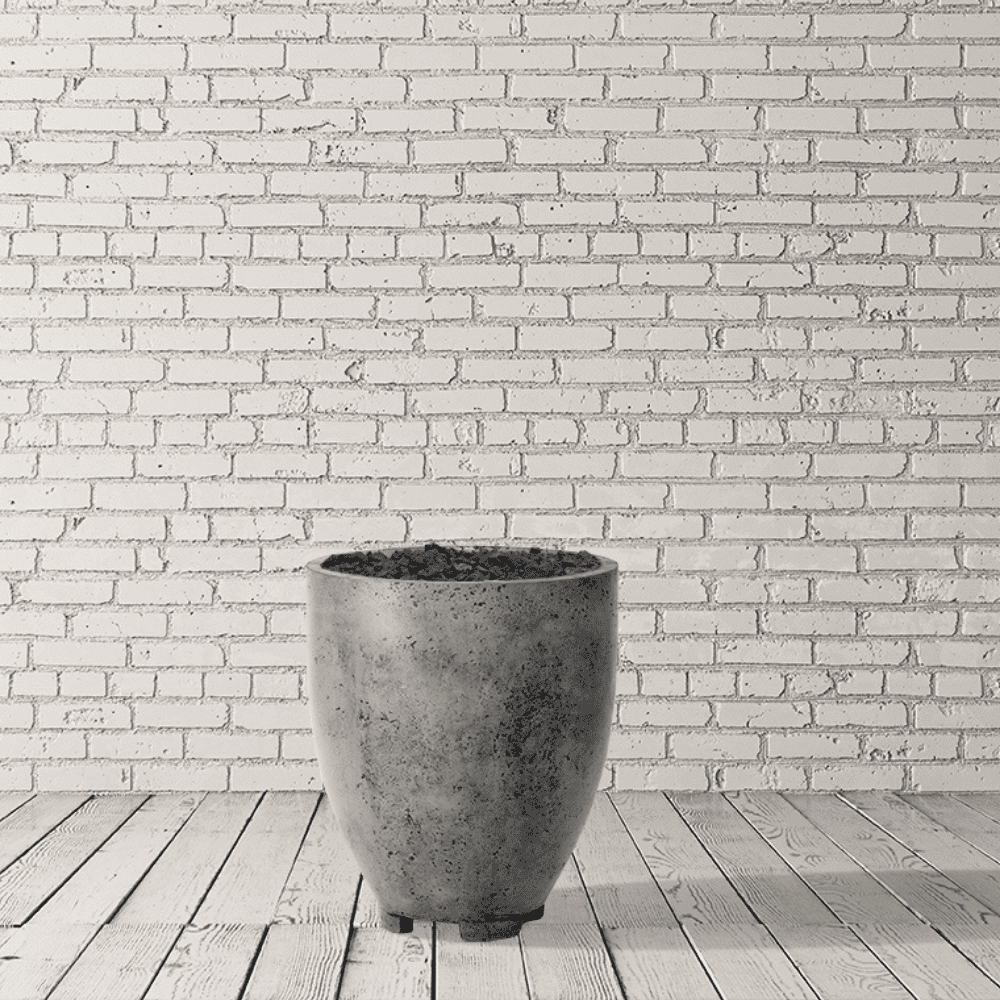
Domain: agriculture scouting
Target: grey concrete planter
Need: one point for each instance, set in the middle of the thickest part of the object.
(462, 729)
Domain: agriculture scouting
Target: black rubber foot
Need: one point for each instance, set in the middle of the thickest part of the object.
(496, 930)
(395, 923)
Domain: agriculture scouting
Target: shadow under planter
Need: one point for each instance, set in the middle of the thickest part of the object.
(462, 728)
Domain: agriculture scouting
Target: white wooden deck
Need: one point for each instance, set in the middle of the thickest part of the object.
(750, 896)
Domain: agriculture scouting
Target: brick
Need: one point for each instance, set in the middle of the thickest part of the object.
(913, 56)
(813, 745)
(76, 715)
(714, 747)
(43, 746)
(651, 590)
(762, 715)
(231, 746)
(431, 57)
(137, 746)
(87, 25)
(950, 777)
(470, 25)
(959, 716)
(179, 715)
(272, 715)
(92, 776)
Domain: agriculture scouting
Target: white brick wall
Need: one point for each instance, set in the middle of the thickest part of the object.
(709, 288)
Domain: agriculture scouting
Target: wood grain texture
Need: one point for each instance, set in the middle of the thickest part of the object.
(568, 962)
(174, 887)
(968, 868)
(768, 886)
(9, 801)
(119, 964)
(852, 893)
(568, 902)
(694, 886)
(98, 887)
(40, 871)
(621, 888)
(207, 962)
(972, 826)
(640, 930)
(323, 885)
(249, 886)
(988, 803)
(746, 963)
(658, 963)
(837, 964)
(384, 966)
(924, 889)
(608, 932)
(366, 912)
(299, 962)
(23, 829)
(484, 970)
(928, 965)
(34, 959)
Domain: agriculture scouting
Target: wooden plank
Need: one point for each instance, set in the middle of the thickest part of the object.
(25, 827)
(249, 886)
(927, 965)
(658, 963)
(97, 889)
(692, 883)
(968, 868)
(837, 964)
(366, 912)
(568, 962)
(299, 961)
(851, 892)
(38, 873)
(769, 887)
(620, 886)
(33, 959)
(464, 970)
(119, 964)
(10, 801)
(648, 950)
(568, 902)
(988, 803)
(323, 885)
(212, 961)
(173, 888)
(980, 944)
(973, 827)
(384, 966)
(746, 963)
(924, 889)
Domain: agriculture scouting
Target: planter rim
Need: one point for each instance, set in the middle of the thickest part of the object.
(316, 566)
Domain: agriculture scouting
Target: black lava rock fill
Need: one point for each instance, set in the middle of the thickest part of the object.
(443, 562)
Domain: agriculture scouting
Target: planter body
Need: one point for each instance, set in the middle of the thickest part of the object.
(462, 729)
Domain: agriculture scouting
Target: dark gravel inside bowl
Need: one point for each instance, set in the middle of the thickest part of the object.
(443, 562)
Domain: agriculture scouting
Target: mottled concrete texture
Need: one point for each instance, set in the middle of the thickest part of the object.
(462, 729)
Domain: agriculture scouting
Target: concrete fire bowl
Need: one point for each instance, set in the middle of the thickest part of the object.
(462, 729)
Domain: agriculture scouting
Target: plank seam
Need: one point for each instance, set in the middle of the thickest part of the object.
(149, 868)
(87, 858)
(35, 843)
(350, 936)
(218, 871)
(954, 833)
(597, 923)
(251, 965)
(917, 852)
